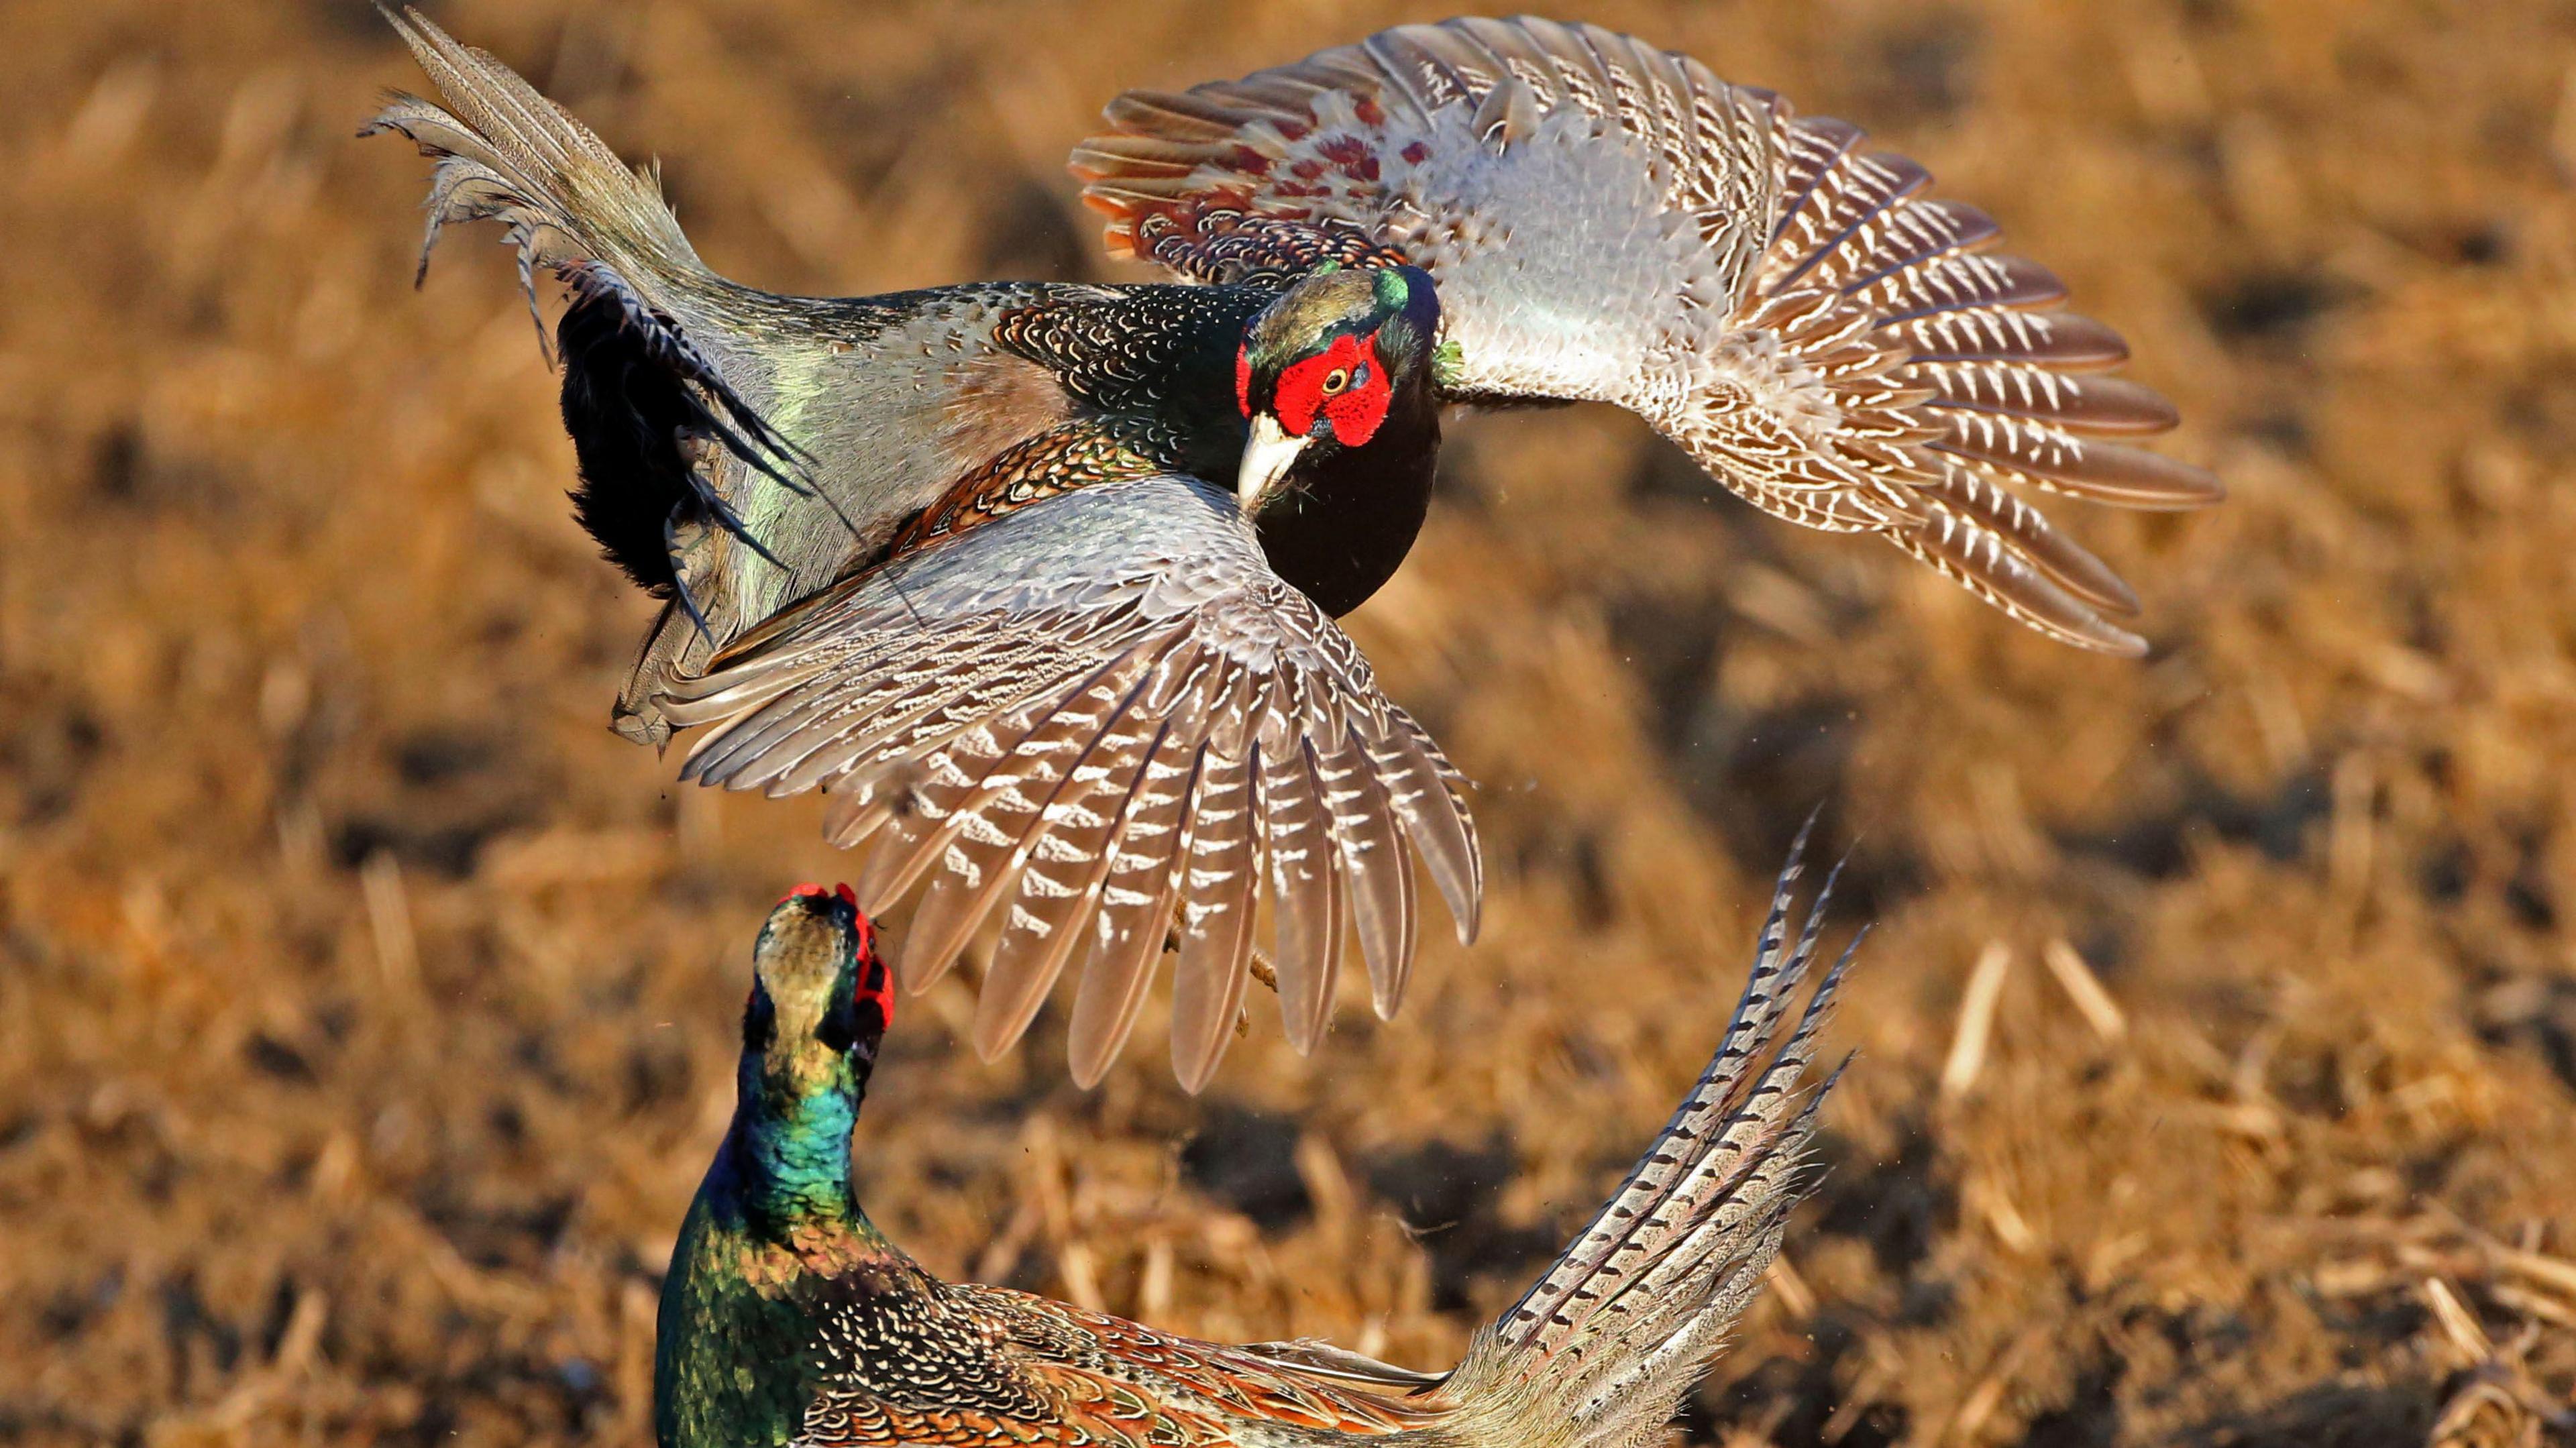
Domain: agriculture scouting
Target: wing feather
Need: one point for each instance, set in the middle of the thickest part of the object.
(1864, 188)
(1607, 221)
(2031, 452)
(1975, 497)
(1375, 863)
(1428, 797)
(1917, 235)
(1067, 867)
(2095, 405)
(988, 852)
(1985, 562)
(1305, 880)
(1075, 719)
(1998, 334)
(929, 815)
(1219, 881)
(1136, 898)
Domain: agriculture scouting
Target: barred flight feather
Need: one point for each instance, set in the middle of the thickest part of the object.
(1103, 710)
(1134, 893)
(1602, 1347)
(1219, 874)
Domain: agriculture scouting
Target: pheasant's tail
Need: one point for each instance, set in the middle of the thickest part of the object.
(1625, 1321)
(506, 153)
(642, 304)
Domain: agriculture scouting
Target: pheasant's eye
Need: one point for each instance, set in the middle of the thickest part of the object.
(1336, 380)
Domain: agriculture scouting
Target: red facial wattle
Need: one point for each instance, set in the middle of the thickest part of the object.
(1354, 409)
(879, 987)
(876, 978)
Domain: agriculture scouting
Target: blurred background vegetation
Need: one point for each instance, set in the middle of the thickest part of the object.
(367, 1011)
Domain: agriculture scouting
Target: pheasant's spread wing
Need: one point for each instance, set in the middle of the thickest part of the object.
(1085, 715)
(1610, 222)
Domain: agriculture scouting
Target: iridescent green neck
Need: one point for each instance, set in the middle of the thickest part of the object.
(735, 1361)
(790, 1143)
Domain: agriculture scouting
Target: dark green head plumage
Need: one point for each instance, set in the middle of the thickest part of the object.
(1325, 357)
(1321, 367)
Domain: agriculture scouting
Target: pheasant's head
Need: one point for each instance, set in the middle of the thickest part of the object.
(1321, 367)
(821, 997)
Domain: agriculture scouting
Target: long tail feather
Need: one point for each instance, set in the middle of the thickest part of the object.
(654, 398)
(507, 154)
(1618, 1329)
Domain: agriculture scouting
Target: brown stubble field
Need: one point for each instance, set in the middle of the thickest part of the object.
(367, 1010)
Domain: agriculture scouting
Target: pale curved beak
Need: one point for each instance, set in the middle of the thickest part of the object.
(1267, 456)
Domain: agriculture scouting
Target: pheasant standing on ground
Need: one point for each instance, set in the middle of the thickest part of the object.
(1038, 581)
(787, 1316)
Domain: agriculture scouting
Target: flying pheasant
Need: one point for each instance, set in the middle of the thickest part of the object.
(788, 1317)
(1038, 581)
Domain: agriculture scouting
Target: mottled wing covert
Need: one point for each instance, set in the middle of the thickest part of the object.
(1611, 222)
(1306, 1385)
(1109, 721)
